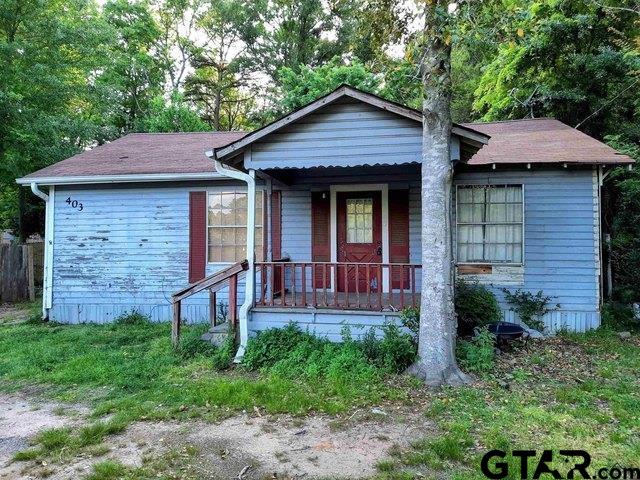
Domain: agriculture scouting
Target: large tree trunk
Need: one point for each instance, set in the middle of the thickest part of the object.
(436, 348)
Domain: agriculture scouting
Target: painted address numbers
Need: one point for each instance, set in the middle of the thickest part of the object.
(74, 204)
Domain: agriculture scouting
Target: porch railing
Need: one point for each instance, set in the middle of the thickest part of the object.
(359, 286)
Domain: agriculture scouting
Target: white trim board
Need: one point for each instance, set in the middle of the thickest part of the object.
(333, 217)
(97, 179)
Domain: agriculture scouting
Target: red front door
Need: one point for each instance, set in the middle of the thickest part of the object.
(359, 239)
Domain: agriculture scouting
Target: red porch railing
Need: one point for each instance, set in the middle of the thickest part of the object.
(359, 286)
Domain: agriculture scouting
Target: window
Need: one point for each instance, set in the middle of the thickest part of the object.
(227, 226)
(489, 224)
(359, 220)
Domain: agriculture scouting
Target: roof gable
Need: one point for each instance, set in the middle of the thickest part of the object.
(341, 93)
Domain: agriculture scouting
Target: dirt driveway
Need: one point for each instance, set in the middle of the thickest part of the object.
(244, 446)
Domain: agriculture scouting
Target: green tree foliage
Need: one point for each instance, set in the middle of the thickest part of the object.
(623, 208)
(175, 116)
(568, 59)
(223, 64)
(134, 74)
(307, 84)
(298, 33)
(50, 52)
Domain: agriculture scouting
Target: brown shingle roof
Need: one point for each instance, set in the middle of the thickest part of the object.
(144, 153)
(511, 142)
(541, 140)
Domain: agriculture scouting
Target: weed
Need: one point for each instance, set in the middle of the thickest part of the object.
(191, 345)
(26, 455)
(290, 352)
(222, 357)
(410, 318)
(275, 344)
(54, 438)
(529, 307)
(133, 317)
(394, 352)
(108, 470)
(478, 354)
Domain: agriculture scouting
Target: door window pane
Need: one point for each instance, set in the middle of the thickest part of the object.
(359, 220)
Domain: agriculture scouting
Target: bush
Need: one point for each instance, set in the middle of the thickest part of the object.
(291, 352)
(132, 318)
(619, 316)
(478, 354)
(529, 307)
(476, 306)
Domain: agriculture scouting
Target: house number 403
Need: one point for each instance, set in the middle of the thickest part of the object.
(74, 204)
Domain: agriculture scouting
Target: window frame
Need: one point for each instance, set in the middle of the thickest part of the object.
(259, 191)
(458, 223)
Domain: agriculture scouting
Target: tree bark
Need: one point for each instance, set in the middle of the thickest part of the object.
(436, 364)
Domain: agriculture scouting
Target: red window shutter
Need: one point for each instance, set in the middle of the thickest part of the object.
(197, 235)
(320, 235)
(399, 233)
(276, 225)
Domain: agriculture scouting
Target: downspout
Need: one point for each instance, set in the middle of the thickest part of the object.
(48, 248)
(249, 291)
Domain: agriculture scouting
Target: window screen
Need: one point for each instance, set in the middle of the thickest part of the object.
(489, 223)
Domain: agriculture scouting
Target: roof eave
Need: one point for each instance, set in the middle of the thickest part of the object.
(128, 178)
(612, 163)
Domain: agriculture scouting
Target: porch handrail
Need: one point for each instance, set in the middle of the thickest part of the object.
(342, 285)
(213, 283)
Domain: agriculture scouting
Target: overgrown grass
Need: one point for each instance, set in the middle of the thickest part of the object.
(575, 391)
(130, 372)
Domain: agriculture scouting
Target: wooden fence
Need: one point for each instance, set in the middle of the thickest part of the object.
(20, 271)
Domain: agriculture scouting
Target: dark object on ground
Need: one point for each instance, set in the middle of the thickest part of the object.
(507, 332)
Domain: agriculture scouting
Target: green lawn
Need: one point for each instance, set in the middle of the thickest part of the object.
(579, 391)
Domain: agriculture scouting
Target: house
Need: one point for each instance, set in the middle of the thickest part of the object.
(333, 192)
